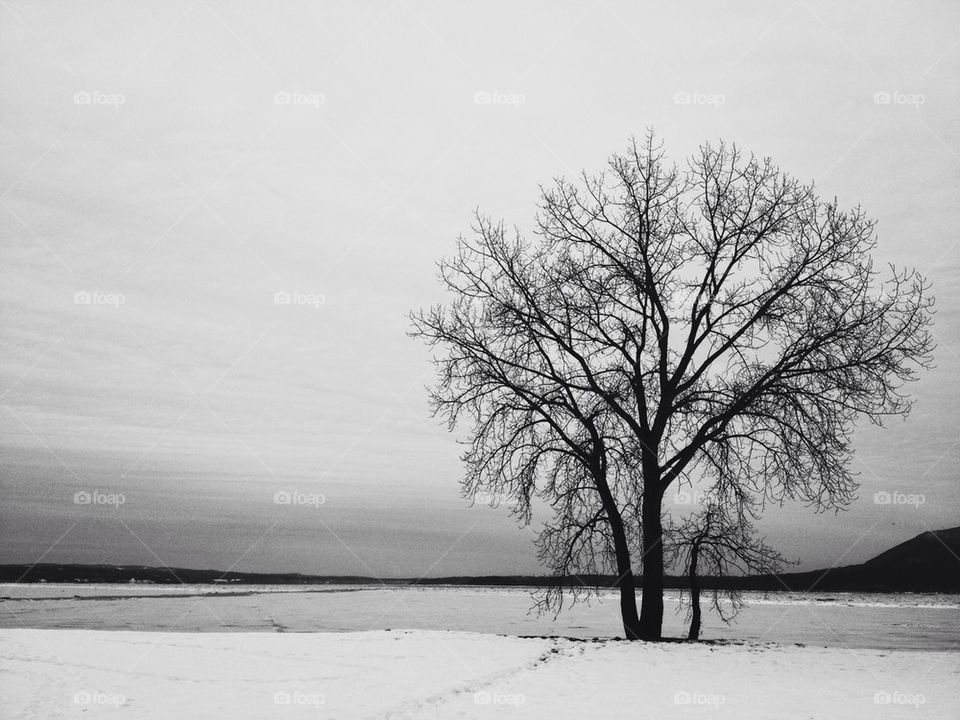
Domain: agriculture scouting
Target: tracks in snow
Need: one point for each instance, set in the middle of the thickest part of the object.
(559, 649)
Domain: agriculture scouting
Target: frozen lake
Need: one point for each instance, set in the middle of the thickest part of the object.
(906, 621)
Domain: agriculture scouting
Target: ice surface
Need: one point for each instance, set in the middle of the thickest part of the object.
(920, 622)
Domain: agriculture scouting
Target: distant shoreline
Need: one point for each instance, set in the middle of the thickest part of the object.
(928, 563)
(852, 578)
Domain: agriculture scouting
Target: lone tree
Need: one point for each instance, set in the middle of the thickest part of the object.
(719, 323)
(719, 544)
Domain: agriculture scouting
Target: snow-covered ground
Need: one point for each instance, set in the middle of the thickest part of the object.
(906, 622)
(261, 652)
(48, 674)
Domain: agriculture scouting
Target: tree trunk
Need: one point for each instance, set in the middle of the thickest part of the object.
(694, 596)
(628, 601)
(625, 578)
(651, 608)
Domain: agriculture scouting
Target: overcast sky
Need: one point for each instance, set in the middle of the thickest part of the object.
(182, 162)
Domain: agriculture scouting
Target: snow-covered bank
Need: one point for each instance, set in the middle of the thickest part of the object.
(82, 673)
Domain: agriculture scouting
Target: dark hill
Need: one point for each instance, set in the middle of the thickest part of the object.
(930, 562)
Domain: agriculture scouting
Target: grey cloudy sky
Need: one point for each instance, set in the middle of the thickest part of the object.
(191, 159)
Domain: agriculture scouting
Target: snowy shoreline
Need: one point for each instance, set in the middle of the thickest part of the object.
(425, 674)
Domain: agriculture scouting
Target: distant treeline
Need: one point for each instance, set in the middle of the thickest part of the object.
(842, 579)
(928, 563)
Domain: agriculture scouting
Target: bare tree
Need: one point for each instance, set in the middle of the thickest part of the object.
(719, 323)
(720, 544)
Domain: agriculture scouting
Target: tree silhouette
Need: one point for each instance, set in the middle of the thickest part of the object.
(718, 543)
(719, 323)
